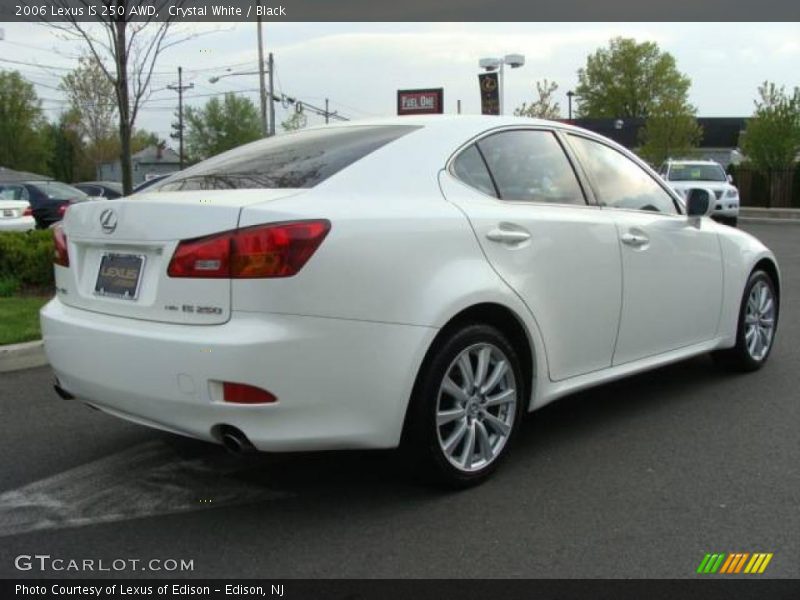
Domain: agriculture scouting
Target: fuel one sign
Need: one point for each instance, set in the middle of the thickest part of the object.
(420, 102)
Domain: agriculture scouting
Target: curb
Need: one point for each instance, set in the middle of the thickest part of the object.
(770, 214)
(16, 357)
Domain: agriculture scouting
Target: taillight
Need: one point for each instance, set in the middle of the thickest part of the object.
(62, 208)
(240, 393)
(276, 250)
(28, 212)
(60, 254)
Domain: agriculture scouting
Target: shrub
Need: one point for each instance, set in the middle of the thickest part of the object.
(27, 257)
(8, 287)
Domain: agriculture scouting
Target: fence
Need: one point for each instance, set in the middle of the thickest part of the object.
(777, 189)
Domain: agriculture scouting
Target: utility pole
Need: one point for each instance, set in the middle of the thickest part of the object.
(261, 84)
(179, 88)
(271, 68)
(327, 113)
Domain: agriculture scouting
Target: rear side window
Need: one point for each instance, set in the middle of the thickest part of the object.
(531, 166)
(295, 160)
(470, 168)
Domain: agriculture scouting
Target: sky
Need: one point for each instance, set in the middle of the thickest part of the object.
(360, 66)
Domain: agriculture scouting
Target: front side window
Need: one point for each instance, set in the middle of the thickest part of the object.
(295, 160)
(620, 182)
(531, 166)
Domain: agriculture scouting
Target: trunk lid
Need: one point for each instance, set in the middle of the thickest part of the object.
(135, 238)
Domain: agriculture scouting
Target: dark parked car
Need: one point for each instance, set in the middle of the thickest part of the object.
(101, 189)
(49, 200)
(150, 182)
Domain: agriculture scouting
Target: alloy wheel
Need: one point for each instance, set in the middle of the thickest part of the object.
(476, 407)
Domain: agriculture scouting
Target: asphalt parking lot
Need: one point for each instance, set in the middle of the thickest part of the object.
(639, 478)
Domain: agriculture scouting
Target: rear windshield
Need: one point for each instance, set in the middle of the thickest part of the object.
(696, 173)
(55, 190)
(296, 160)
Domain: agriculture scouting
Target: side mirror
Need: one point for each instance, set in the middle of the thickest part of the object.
(699, 202)
(730, 178)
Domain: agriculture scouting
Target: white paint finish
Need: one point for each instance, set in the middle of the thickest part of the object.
(341, 343)
(146, 480)
(12, 217)
(339, 383)
(568, 273)
(672, 283)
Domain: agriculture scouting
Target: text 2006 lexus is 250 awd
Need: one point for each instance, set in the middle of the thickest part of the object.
(412, 282)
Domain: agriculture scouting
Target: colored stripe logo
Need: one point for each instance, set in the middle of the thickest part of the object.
(735, 562)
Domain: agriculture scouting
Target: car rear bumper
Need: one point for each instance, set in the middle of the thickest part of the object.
(21, 224)
(339, 383)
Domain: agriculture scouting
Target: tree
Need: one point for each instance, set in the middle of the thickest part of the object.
(142, 139)
(23, 136)
(671, 130)
(91, 97)
(220, 126)
(544, 107)
(68, 160)
(628, 80)
(771, 140)
(126, 46)
(296, 121)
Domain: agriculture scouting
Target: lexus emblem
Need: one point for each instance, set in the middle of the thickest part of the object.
(108, 220)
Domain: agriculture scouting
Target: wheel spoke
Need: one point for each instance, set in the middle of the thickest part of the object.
(452, 442)
(466, 371)
(485, 444)
(503, 397)
(762, 297)
(497, 424)
(452, 388)
(484, 354)
(469, 447)
(497, 373)
(753, 343)
(767, 307)
(443, 417)
(750, 319)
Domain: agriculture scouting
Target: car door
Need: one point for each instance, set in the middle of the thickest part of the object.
(556, 251)
(671, 265)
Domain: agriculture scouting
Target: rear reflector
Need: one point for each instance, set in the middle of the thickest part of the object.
(60, 253)
(239, 393)
(263, 251)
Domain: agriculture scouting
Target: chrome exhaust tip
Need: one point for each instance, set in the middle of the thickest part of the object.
(235, 441)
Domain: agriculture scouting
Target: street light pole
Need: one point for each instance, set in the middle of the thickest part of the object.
(261, 83)
(570, 94)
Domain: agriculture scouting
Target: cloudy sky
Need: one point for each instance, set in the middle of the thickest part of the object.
(360, 66)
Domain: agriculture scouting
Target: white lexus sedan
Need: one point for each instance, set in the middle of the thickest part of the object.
(410, 282)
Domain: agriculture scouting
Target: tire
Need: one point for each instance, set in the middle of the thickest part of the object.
(445, 419)
(754, 338)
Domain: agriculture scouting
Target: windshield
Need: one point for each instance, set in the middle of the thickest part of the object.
(55, 190)
(296, 160)
(696, 173)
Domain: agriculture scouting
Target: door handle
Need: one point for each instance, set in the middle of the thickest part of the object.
(635, 240)
(508, 236)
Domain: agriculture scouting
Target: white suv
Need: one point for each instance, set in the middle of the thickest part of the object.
(683, 175)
